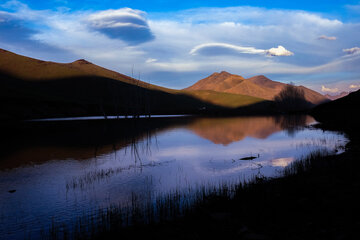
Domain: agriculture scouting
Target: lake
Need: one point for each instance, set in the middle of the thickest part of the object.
(54, 172)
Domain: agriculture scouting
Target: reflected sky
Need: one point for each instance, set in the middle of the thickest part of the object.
(57, 178)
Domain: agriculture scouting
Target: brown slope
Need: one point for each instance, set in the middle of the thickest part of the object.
(30, 69)
(220, 82)
(252, 89)
(261, 80)
(313, 96)
(26, 68)
(258, 86)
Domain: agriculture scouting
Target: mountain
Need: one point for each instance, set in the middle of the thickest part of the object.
(32, 88)
(334, 97)
(258, 86)
(343, 110)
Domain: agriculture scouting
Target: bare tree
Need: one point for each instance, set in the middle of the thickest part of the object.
(292, 99)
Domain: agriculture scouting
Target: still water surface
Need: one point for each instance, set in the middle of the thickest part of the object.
(63, 170)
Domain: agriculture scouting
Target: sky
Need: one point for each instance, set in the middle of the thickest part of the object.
(176, 43)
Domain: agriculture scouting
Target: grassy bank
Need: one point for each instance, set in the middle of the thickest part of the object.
(314, 200)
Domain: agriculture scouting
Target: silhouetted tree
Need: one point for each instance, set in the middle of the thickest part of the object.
(292, 99)
(291, 123)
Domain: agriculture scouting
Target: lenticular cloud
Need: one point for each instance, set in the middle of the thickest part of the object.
(230, 49)
(126, 24)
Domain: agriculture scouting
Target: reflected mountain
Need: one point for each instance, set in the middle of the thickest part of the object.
(228, 130)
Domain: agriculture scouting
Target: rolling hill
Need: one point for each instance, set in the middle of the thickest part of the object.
(32, 88)
(258, 86)
(34, 70)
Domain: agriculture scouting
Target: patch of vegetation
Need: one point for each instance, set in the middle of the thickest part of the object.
(224, 99)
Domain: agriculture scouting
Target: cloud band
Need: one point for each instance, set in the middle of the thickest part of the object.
(228, 49)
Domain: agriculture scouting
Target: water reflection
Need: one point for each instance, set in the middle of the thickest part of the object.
(39, 142)
(227, 130)
(62, 170)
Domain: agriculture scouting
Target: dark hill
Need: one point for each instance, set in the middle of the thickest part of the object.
(343, 110)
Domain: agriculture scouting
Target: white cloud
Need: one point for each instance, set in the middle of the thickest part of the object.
(330, 90)
(115, 18)
(279, 51)
(352, 51)
(218, 47)
(224, 49)
(151, 60)
(324, 37)
(353, 86)
(255, 16)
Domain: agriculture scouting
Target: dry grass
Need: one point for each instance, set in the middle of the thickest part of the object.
(223, 99)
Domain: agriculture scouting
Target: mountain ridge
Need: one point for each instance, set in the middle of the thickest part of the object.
(33, 88)
(258, 86)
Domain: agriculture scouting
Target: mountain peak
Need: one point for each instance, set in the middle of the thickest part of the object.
(217, 82)
(261, 76)
(263, 81)
(224, 73)
(82, 61)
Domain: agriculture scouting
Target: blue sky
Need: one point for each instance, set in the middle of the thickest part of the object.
(174, 5)
(175, 43)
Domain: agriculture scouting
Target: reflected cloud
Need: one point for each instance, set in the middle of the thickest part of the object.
(282, 162)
